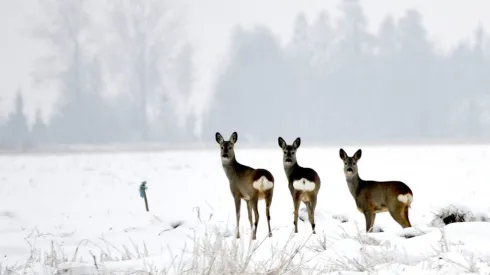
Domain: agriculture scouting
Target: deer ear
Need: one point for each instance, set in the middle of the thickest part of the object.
(358, 154)
(297, 143)
(233, 137)
(281, 142)
(342, 154)
(219, 138)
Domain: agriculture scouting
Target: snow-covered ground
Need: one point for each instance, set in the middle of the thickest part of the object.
(82, 214)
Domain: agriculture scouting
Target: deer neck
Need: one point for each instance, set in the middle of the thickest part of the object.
(230, 168)
(354, 183)
(289, 169)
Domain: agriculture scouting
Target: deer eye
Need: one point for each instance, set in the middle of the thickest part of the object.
(229, 147)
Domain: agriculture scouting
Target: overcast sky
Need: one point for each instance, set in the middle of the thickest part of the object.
(210, 21)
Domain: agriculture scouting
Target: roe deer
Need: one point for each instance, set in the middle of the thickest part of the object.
(303, 183)
(246, 183)
(373, 197)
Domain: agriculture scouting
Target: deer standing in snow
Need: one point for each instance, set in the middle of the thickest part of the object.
(246, 183)
(374, 197)
(304, 183)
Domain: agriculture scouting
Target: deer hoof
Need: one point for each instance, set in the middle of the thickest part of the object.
(270, 234)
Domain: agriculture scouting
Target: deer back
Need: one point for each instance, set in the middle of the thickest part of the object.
(303, 179)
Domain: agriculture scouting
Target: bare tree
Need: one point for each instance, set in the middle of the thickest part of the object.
(177, 116)
(64, 33)
(146, 34)
(72, 67)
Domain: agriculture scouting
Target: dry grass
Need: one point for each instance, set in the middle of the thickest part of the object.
(211, 253)
(216, 252)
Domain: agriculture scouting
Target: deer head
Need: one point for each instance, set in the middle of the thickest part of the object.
(289, 151)
(350, 163)
(227, 151)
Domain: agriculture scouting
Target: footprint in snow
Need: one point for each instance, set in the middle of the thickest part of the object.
(340, 218)
(303, 214)
(171, 226)
(412, 232)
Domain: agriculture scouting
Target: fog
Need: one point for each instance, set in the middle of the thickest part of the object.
(140, 72)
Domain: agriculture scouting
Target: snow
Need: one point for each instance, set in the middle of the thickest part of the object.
(83, 214)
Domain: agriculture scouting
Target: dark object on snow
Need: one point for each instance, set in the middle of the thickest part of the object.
(409, 236)
(453, 214)
(176, 224)
(143, 188)
(454, 217)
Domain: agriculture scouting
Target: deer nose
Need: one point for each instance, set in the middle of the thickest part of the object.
(349, 170)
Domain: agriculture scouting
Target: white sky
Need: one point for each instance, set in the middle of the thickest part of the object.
(210, 22)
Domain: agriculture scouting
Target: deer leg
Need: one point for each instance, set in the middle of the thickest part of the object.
(308, 208)
(296, 202)
(268, 201)
(254, 203)
(405, 216)
(400, 215)
(311, 212)
(249, 209)
(369, 216)
(238, 203)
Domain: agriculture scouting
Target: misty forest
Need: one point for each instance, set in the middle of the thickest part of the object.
(133, 80)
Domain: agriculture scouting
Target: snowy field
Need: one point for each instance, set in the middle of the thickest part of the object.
(82, 214)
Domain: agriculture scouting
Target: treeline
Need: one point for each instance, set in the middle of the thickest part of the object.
(122, 72)
(336, 82)
(130, 79)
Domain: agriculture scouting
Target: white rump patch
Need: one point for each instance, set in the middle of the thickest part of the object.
(263, 184)
(406, 199)
(304, 185)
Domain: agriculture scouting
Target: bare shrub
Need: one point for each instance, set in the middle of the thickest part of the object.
(453, 214)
